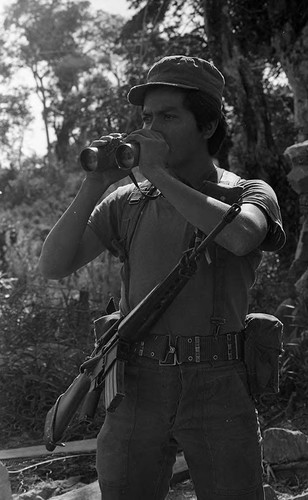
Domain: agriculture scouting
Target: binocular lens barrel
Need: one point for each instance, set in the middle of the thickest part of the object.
(126, 156)
(89, 159)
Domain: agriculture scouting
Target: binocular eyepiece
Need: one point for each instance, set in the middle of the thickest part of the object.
(126, 156)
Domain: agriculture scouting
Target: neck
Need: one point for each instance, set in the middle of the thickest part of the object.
(195, 176)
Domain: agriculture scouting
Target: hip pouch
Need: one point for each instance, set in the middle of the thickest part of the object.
(263, 347)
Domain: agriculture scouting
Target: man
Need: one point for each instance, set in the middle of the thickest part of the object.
(202, 403)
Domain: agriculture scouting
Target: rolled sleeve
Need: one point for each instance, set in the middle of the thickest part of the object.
(105, 219)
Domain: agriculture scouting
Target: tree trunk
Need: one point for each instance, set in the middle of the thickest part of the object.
(41, 92)
(291, 51)
(63, 133)
(253, 151)
(253, 154)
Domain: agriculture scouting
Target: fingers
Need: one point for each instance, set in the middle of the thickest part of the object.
(149, 140)
(113, 139)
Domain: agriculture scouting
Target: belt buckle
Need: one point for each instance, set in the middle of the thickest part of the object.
(171, 358)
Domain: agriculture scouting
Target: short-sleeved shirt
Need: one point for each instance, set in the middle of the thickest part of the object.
(159, 240)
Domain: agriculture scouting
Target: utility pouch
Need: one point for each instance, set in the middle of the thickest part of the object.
(263, 347)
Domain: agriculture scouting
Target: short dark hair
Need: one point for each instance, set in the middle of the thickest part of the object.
(205, 111)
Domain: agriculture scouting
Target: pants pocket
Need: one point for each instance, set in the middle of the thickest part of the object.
(235, 442)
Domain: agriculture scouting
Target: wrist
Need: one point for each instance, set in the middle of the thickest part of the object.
(92, 189)
(158, 174)
(95, 183)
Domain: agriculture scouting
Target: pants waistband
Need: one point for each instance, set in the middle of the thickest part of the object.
(170, 350)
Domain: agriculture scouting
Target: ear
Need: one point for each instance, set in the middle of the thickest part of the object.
(209, 129)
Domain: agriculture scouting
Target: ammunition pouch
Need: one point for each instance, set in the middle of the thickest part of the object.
(263, 347)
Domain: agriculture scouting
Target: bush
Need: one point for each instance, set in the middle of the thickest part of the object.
(294, 370)
(271, 286)
(46, 327)
(46, 333)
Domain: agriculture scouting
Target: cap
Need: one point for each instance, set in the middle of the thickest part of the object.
(182, 72)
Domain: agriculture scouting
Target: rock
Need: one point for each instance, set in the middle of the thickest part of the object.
(284, 445)
(29, 495)
(46, 490)
(87, 492)
(70, 482)
(269, 493)
(5, 486)
(297, 154)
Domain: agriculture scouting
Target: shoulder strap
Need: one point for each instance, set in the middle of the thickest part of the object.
(132, 211)
(217, 319)
(130, 216)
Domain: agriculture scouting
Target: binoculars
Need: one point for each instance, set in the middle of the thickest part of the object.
(126, 156)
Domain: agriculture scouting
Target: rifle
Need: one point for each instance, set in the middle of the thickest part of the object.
(106, 365)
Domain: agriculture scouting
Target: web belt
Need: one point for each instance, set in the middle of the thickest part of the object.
(170, 350)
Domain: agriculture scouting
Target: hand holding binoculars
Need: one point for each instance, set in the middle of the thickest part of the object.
(126, 156)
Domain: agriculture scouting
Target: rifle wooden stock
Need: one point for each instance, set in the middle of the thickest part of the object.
(60, 415)
(106, 365)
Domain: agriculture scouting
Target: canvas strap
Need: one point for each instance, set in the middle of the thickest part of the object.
(130, 217)
(219, 262)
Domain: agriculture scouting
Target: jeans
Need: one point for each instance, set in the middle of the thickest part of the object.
(204, 410)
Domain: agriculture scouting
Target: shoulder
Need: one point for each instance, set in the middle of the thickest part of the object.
(119, 194)
(120, 203)
(115, 200)
(124, 193)
(107, 212)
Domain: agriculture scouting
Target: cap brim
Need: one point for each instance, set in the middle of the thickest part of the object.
(136, 94)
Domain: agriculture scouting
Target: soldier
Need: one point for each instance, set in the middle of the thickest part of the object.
(201, 404)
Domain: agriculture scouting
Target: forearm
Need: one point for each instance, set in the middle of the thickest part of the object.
(63, 243)
(204, 212)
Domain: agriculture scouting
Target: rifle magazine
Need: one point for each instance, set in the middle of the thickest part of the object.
(115, 385)
(89, 405)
